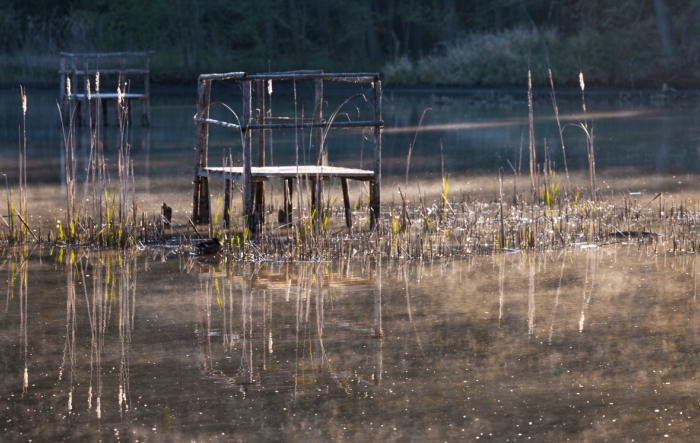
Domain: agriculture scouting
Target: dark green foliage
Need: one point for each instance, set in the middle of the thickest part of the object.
(193, 36)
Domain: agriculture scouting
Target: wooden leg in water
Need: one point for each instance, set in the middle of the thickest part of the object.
(287, 210)
(200, 212)
(260, 202)
(78, 113)
(92, 105)
(204, 205)
(104, 113)
(227, 204)
(65, 110)
(372, 206)
(313, 201)
(144, 112)
(346, 202)
(319, 203)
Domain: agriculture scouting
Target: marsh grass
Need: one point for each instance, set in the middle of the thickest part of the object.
(442, 223)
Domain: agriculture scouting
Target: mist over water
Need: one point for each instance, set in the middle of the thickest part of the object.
(582, 344)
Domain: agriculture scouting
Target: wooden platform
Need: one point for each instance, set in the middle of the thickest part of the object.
(256, 120)
(292, 172)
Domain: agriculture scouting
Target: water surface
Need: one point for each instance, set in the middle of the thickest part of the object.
(596, 344)
(586, 344)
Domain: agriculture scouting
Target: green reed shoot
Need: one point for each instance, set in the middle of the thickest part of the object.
(548, 191)
(445, 190)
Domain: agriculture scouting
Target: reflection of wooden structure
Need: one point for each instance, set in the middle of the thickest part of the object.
(252, 178)
(268, 324)
(265, 279)
(78, 66)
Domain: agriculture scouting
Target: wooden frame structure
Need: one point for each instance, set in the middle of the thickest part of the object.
(80, 65)
(252, 178)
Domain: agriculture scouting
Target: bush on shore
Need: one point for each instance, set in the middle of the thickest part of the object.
(627, 58)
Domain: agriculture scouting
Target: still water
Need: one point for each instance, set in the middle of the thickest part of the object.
(597, 344)
(480, 131)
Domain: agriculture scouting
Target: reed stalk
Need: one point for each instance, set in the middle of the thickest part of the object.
(534, 188)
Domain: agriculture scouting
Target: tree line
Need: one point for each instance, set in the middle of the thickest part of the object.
(194, 36)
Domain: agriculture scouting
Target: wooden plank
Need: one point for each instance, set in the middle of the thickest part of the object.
(290, 120)
(362, 77)
(104, 71)
(219, 123)
(104, 96)
(303, 172)
(255, 126)
(224, 76)
(108, 54)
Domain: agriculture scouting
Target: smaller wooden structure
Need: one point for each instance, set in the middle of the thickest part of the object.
(257, 121)
(78, 66)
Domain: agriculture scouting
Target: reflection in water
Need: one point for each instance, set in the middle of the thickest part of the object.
(531, 298)
(583, 344)
(556, 302)
(410, 314)
(590, 265)
(23, 294)
(113, 284)
(298, 349)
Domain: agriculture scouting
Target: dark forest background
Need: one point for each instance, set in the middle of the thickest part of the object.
(616, 43)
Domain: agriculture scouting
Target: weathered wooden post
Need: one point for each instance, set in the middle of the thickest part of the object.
(247, 179)
(318, 118)
(74, 91)
(200, 212)
(146, 101)
(288, 191)
(322, 160)
(260, 185)
(375, 186)
(62, 87)
(346, 202)
(227, 203)
(86, 79)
